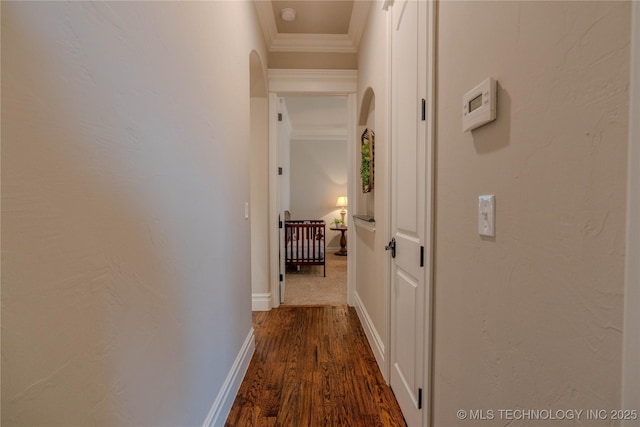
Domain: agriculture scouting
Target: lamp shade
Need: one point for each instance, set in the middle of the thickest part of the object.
(342, 201)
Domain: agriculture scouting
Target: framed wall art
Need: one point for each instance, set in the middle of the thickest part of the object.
(367, 160)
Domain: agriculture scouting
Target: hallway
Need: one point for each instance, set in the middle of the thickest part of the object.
(313, 367)
(130, 223)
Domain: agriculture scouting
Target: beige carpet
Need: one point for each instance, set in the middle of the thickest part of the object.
(308, 287)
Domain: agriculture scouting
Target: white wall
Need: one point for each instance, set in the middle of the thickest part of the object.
(532, 318)
(259, 207)
(125, 169)
(318, 178)
(371, 262)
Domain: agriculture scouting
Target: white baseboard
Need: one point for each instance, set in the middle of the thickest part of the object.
(261, 302)
(375, 342)
(222, 405)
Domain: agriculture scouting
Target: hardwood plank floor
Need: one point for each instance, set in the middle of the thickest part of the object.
(313, 367)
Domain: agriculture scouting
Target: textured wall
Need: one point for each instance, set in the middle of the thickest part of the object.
(631, 372)
(532, 318)
(125, 169)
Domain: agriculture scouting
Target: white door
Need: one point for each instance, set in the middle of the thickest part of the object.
(408, 210)
(282, 190)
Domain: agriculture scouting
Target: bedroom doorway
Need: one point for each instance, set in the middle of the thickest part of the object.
(302, 96)
(316, 190)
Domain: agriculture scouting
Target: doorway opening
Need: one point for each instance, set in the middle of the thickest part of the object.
(315, 192)
(287, 85)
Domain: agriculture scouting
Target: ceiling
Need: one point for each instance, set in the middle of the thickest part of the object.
(317, 117)
(330, 26)
(314, 17)
(321, 28)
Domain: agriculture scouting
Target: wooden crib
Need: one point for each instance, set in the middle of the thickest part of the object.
(305, 243)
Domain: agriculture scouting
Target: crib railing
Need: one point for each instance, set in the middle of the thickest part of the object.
(305, 243)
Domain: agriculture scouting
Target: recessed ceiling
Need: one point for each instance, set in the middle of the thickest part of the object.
(331, 26)
(314, 17)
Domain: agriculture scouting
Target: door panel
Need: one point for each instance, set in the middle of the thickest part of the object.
(405, 332)
(408, 208)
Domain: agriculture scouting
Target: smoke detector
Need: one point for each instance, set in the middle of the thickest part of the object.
(288, 14)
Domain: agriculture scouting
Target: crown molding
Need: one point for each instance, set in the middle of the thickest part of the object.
(319, 43)
(319, 135)
(313, 81)
(358, 21)
(267, 21)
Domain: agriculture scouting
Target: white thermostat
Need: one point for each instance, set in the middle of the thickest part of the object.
(479, 105)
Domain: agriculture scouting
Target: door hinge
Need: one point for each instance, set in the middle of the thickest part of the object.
(279, 171)
(281, 277)
(279, 117)
(279, 224)
(421, 256)
(419, 398)
(424, 109)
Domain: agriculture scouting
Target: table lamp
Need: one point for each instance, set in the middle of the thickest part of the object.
(342, 203)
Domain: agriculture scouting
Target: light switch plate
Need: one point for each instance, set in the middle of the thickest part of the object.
(487, 215)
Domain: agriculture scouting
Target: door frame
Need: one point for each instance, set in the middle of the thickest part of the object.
(283, 82)
(430, 217)
(431, 214)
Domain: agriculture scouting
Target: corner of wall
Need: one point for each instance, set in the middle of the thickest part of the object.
(631, 351)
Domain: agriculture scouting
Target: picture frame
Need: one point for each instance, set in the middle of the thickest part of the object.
(367, 160)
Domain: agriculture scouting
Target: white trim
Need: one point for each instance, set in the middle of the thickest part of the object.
(319, 135)
(222, 404)
(430, 212)
(267, 21)
(375, 341)
(261, 301)
(317, 43)
(352, 167)
(327, 82)
(358, 22)
(388, 281)
(631, 336)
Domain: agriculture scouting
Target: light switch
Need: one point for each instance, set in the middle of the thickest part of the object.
(246, 210)
(487, 215)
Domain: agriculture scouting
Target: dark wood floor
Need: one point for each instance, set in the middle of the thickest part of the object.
(313, 367)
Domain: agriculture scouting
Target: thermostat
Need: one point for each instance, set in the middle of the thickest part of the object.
(479, 105)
